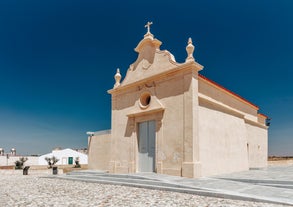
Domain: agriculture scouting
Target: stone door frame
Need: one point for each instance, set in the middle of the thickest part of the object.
(157, 117)
(149, 140)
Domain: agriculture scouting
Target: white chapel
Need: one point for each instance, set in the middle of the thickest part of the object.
(168, 118)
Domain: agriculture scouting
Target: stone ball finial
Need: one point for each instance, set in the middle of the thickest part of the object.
(189, 50)
(117, 78)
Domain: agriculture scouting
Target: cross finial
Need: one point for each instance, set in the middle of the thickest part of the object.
(148, 25)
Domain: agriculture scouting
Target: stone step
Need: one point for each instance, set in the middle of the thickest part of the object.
(129, 179)
(86, 172)
(272, 183)
(179, 189)
(126, 176)
(155, 186)
(277, 185)
(169, 183)
(257, 181)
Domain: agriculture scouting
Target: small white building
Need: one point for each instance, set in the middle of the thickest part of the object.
(65, 156)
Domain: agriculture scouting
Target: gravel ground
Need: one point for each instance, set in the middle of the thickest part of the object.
(33, 190)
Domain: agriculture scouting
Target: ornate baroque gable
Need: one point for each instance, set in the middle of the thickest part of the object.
(151, 60)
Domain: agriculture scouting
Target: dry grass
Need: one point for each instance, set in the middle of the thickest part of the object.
(278, 158)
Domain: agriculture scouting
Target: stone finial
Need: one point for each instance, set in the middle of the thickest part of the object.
(189, 50)
(117, 78)
(148, 34)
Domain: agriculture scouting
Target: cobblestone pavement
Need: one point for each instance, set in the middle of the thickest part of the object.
(33, 190)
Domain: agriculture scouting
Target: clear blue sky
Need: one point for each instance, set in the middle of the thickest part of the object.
(58, 59)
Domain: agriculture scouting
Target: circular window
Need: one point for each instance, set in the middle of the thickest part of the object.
(145, 100)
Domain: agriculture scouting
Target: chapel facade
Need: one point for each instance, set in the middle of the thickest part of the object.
(168, 118)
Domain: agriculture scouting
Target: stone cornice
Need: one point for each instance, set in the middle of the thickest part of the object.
(180, 69)
(210, 82)
(248, 119)
(141, 113)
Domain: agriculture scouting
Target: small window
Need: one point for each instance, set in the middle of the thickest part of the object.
(145, 100)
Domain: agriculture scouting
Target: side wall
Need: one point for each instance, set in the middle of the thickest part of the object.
(99, 152)
(230, 129)
(257, 146)
(223, 140)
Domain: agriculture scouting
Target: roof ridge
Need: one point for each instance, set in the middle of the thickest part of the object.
(228, 91)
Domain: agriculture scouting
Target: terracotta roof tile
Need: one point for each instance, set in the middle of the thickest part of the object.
(228, 91)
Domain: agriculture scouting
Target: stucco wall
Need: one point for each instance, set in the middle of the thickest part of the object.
(257, 146)
(170, 92)
(122, 157)
(99, 152)
(222, 140)
(167, 96)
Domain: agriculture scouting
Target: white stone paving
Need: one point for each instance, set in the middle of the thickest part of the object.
(33, 190)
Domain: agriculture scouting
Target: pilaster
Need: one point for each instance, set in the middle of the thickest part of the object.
(191, 166)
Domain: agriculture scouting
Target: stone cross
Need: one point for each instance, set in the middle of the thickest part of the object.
(148, 25)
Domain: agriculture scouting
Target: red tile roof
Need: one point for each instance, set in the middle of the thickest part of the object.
(228, 91)
(264, 115)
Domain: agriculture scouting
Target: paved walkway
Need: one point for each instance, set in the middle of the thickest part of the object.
(35, 191)
(272, 185)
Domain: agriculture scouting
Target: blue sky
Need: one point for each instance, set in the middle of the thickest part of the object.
(58, 59)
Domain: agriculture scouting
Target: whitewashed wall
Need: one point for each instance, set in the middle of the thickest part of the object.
(257, 146)
(63, 156)
(223, 140)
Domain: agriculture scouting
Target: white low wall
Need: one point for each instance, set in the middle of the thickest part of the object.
(30, 172)
(12, 159)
